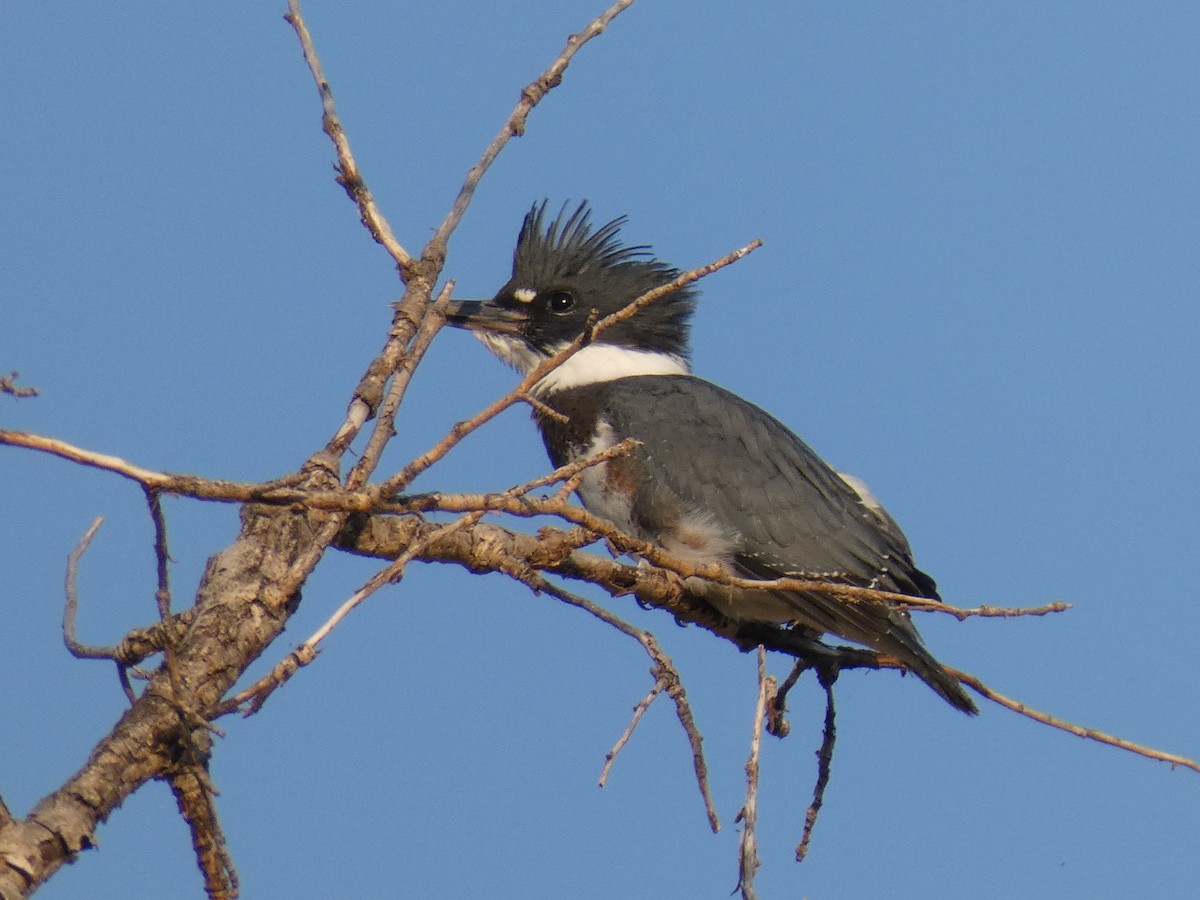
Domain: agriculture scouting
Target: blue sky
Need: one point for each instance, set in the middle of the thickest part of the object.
(977, 292)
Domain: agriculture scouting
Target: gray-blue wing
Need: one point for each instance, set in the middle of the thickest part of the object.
(704, 449)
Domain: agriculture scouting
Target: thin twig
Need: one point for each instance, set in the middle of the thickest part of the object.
(162, 597)
(55, 447)
(663, 670)
(824, 770)
(748, 861)
(162, 556)
(348, 175)
(8, 385)
(1069, 727)
(543, 409)
(389, 575)
(385, 424)
(257, 694)
(71, 609)
(515, 125)
(123, 679)
(777, 723)
(280, 491)
(638, 711)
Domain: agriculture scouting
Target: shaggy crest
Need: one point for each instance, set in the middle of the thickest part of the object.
(606, 274)
(568, 247)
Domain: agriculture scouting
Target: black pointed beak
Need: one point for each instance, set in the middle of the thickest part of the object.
(485, 315)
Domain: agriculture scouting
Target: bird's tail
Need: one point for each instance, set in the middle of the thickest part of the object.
(914, 655)
(887, 629)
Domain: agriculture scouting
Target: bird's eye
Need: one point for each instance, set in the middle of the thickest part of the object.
(560, 301)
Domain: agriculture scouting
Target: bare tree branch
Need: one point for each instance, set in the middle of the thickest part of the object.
(250, 589)
(71, 607)
(824, 770)
(748, 861)
(197, 805)
(247, 594)
(349, 177)
(638, 711)
(401, 376)
(1069, 727)
(664, 673)
(560, 506)
(8, 385)
(532, 94)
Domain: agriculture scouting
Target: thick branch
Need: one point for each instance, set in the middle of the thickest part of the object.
(246, 596)
(197, 805)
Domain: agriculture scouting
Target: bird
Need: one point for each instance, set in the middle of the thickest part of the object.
(712, 477)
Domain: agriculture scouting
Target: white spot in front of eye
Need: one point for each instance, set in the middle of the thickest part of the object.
(524, 295)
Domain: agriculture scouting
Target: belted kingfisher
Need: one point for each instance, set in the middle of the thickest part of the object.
(714, 478)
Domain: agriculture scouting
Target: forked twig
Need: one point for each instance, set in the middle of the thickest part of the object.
(664, 673)
(258, 693)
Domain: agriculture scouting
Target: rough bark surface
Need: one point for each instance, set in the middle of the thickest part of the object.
(243, 602)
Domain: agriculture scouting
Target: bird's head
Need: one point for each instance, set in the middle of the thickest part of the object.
(566, 273)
